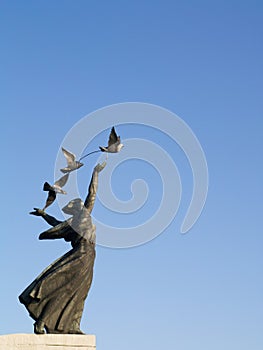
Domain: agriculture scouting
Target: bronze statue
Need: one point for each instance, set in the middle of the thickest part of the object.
(55, 299)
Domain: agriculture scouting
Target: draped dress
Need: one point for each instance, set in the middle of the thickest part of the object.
(58, 294)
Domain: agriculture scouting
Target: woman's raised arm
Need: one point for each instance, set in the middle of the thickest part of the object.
(90, 199)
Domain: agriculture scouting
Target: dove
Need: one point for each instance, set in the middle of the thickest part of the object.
(114, 143)
(73, 164)
(53, 190)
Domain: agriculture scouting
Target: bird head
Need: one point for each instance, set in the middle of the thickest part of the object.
(120, 146)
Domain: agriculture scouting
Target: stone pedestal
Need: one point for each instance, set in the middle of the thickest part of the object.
(47, 342)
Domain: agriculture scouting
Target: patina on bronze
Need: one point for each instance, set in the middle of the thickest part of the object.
(55, 299)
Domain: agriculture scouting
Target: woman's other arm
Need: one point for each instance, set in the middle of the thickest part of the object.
(48, 218)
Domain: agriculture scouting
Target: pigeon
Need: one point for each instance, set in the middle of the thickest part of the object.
(73, 164)
(114, 143)
(53, 190)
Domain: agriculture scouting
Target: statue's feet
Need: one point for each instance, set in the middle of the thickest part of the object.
(71, 331)
(39, 327)
(54, 331)
(76, 331)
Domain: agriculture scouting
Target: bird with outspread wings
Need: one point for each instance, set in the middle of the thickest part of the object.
(53, 190)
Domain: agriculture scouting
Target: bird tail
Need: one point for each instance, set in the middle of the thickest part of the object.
(64, 170)
(103, 149)
(46, 187)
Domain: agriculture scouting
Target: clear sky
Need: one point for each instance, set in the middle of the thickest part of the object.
(61, 60)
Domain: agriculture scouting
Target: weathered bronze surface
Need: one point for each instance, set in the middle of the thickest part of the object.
(55, 299)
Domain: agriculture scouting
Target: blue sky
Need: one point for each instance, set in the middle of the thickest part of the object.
(61, 60)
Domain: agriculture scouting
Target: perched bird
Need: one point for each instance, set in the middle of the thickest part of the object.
(114, 143)
(73, 164)
(53, 190)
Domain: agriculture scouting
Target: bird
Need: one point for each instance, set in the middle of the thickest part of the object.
(53, 190)
(73, 164)
(114, 143)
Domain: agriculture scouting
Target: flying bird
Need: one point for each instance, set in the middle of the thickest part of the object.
(73, 164)
(53, 190)
(114, 143)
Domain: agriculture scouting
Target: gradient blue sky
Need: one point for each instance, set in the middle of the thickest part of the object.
(61, 60)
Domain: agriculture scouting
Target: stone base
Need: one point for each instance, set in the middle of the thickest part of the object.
(47, 342)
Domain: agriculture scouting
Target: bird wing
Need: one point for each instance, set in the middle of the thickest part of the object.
(62, 181)
(69, 156)
(50, 199)
(113, 137)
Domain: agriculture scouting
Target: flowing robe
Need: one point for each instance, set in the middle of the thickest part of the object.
(57, 295)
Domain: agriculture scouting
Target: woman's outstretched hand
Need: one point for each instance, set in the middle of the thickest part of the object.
(37, 212)
(100, 167)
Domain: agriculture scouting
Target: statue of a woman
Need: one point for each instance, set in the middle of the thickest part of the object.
(55, 299)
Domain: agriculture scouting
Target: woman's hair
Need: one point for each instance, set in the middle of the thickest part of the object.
(73, 207)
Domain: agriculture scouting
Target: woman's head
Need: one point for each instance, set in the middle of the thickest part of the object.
(73, 207)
